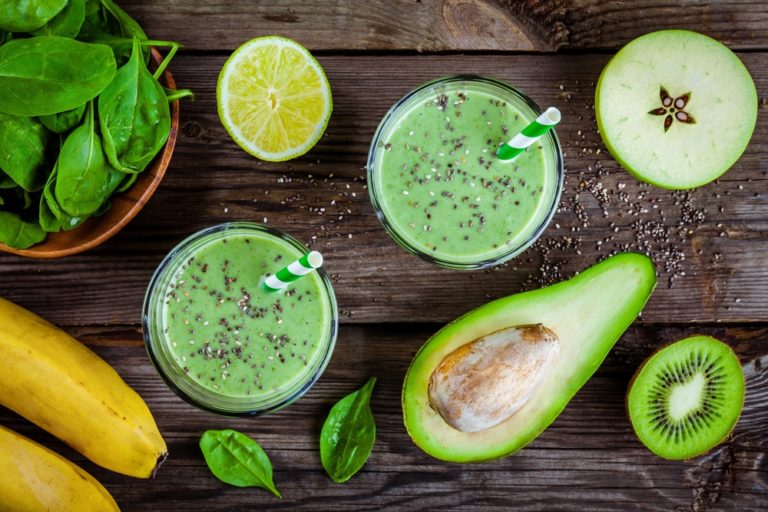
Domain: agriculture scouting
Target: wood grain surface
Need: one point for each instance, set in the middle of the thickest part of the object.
(449, 25)
(322, 199)
(589, 459)
(709, 246)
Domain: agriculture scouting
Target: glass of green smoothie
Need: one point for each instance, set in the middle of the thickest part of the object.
(437, 186)
(223, 342)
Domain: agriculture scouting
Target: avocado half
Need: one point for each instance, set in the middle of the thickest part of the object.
(588, 313)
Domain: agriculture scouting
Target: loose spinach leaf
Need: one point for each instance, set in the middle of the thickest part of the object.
(82, 183)
(62, 122)
(238, 460)
(348, 434)
(49, 74)
(67, 23)
(28, 15)
(134, 115)
(23, 142)
(18, 233)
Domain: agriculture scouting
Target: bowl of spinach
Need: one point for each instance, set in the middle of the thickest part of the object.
(82, 147)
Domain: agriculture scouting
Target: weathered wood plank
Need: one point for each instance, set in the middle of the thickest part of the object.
(427, 25)
(448, 25)
(588, 459)
(720, 229)
(599, 24)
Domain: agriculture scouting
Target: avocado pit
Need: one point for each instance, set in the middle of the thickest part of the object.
(483, 383)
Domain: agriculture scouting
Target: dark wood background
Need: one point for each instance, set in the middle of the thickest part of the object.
(709, 244)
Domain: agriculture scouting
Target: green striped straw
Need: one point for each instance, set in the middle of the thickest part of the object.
(296, 270)
(529, 135)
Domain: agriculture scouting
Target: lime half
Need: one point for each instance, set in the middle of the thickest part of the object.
(273, 98)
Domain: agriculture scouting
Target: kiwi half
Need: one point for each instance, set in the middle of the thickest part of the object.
(686, 398)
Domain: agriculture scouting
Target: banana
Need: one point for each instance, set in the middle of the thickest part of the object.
(37, 479)
(57, 383)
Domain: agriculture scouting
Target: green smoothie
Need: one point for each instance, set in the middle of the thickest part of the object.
(230, 336)
(439, 185)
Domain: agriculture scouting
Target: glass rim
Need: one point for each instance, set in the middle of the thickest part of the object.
(373, 192)
(257, 408)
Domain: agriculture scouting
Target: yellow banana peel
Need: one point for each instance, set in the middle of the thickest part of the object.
(36, 479)
(57, 383)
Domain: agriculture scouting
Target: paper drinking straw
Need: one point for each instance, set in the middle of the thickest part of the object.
(529, 135)
(299, 268)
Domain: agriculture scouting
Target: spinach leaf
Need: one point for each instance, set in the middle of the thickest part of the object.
(128, 26)
(67, 23)
(50, 215)
(238, 460)
(83, 172)
(6, 181)
(106, 23)
(46, 218)
(18, 233)
(62, 122)
(23, 197)
(348, 434)
(127, 182)
(49, 74)
(22, 150)
(134, 115)
(28, 15)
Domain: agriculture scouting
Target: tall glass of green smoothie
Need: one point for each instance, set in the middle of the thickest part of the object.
(437, 186)
(221, 340)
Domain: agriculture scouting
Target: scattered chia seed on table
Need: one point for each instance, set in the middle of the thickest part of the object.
(600, 197)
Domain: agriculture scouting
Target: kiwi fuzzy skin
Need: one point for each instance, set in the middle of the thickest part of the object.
(637, 372)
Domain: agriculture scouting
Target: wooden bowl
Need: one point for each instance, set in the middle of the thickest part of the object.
(125, 206)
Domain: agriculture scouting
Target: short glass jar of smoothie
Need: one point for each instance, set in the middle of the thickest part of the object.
(223, 342)
(437, 186)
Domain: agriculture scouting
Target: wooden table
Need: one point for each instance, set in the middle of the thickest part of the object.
(710, 247)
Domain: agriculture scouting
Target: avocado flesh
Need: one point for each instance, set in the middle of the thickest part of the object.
(588, 313)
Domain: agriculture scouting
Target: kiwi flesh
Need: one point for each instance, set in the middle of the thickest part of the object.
(686, 398)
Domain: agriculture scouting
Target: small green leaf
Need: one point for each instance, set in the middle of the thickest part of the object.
(62, 122)
(28, 15)
(50, 215)
(67, 23)
(348, 434)
(134, 116)
(18, 233)
(84, 175)
(23, 142)
(238, 460)
(49, 74)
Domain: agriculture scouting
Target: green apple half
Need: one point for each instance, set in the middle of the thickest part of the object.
(676, 108)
